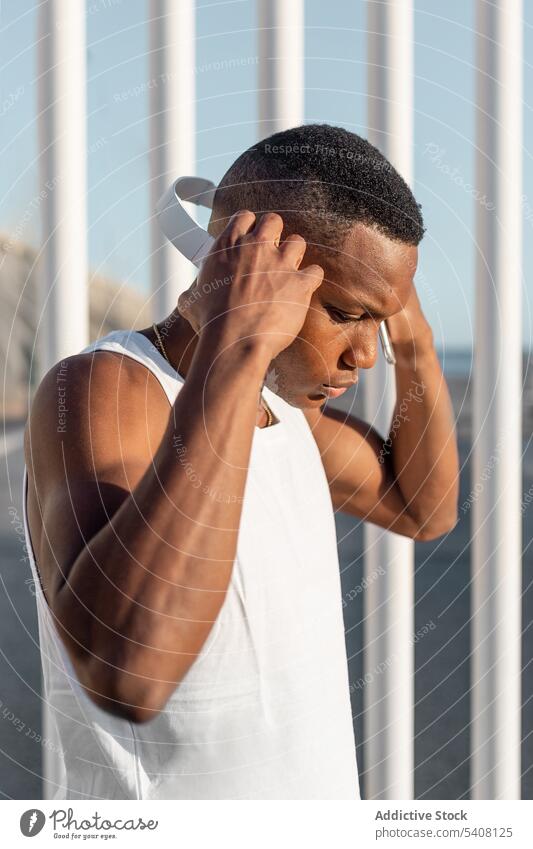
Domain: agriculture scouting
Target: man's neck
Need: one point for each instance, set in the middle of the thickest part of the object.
(180, 342)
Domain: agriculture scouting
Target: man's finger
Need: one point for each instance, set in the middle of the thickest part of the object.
(269, 228)
(293, 248)
(314, 275)
(240, 224)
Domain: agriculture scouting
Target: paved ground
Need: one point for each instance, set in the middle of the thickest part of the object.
(20, 708)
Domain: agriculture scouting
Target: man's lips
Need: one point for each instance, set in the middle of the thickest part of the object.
(336, 390)
(333, 391)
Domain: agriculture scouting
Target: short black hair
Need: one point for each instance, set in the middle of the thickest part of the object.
(321, 179)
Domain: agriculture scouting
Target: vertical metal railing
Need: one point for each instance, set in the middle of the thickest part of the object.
(63, 322)
(388, 625)
(497, 406)
(63, 177)
(172, 135)
(281, 65)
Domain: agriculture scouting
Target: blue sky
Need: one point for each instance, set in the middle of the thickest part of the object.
(118, 199)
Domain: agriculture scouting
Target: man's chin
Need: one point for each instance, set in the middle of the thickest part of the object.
(302, 401)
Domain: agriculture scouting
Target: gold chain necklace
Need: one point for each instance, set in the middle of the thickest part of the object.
(161, 346)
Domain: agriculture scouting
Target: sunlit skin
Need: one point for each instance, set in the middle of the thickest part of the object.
(367, 280)
(135, 561)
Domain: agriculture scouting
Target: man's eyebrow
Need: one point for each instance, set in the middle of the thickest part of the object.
(355, 308)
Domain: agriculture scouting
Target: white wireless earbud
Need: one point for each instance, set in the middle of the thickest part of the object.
(194, 242)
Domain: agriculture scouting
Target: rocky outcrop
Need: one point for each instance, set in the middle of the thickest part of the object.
(112, 306)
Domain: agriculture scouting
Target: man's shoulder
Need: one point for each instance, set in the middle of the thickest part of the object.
(99, 371)
(96, 391)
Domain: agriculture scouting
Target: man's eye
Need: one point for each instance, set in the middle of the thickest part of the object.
(338, 315)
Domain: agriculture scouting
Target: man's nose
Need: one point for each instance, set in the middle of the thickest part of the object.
(363, 353)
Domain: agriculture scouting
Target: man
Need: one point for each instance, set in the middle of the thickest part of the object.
(180, 521)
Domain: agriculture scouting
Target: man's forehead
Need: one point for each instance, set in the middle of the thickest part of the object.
(371, 271)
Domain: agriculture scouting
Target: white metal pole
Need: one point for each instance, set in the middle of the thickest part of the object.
(64, 324)
(497, 410)
(63, 178)
(388, 627)
(172, 135)
(281, 65)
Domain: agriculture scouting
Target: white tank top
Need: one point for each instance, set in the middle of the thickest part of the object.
(264, 711)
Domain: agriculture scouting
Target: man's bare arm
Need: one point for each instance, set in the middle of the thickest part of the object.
(361, 478)
(407, 481)
(135, 603)
(422, 442)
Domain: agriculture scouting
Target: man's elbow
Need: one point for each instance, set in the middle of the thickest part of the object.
(134, 711)
(124, 695)
(435, 527)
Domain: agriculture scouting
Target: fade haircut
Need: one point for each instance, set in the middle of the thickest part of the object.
(321, 179)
